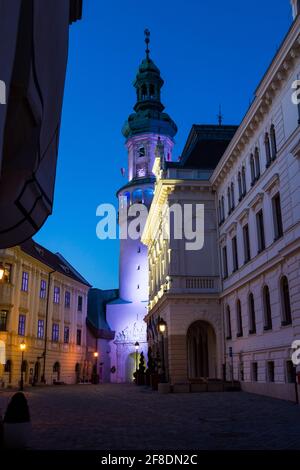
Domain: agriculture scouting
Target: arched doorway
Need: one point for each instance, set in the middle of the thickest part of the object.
(201, 348)
(56, 372)
(132, 362)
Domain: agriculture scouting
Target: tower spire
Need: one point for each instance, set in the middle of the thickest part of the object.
(147, 40)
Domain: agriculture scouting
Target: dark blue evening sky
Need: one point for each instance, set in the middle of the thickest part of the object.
(209, 52)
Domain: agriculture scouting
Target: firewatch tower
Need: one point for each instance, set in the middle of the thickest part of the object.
(147, 131)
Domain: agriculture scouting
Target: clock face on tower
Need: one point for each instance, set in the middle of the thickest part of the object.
(141, 171)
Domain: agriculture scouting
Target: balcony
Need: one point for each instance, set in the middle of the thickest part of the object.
(6, 293)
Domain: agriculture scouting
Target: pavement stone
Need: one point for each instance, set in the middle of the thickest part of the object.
(126, 417)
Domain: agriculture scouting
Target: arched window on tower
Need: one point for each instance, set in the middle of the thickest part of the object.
(152, 91)
(144, 92)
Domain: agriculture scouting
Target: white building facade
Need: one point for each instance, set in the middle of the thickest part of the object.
(233, 309)
(257, 184)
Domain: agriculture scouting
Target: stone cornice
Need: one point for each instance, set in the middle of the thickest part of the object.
(271, 183)
(256, 200)
(243, 216)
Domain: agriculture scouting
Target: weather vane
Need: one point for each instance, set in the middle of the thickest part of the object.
(147, 40)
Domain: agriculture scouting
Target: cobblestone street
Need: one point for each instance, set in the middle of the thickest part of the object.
(110, 417)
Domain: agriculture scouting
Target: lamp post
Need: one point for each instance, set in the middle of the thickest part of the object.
(95, 366)
(22, 348)
(136, 357)
(1, 273)
(162, 326)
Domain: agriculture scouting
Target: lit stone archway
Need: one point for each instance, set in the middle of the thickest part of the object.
(201, 350)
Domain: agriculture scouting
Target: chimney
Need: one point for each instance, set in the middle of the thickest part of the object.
(295, 7)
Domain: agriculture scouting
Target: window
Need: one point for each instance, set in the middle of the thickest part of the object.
(260, 231)
(235, 254)
(273, 142)
(232, 196)
(66, 334)
(247, 253)
(24, 285)
(79, 306)
(290, 372)
(3, 320)
(56, 295)
(43, 288)
(254, 371)
(286, 304)
(55, 332)
(142, 152)
(228, 323)
(267, 149)
(40, 329)
(144, 92)
(257, 163)
(223, 208)
(67, 299)
(7, 273)
(78, 338)
(225, 264)
(252, 169)
(278, 228)
(244, 187)
(229, 200)
(151, 90)
(21, 326)
(240, 185)
(239, 320)
(271, 371)
(267, 309)
(252, 320)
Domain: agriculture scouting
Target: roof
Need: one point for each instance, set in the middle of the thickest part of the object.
(54, 260)
(96, 313)
(205, 145)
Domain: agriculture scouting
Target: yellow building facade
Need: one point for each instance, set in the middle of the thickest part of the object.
(43, 305)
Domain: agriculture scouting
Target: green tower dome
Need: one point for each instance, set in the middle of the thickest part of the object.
(148, 116)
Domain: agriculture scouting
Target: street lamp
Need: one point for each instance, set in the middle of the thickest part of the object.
(22, 348)
(1, 272)
(137, 345)
(96, 354)
(162, 326)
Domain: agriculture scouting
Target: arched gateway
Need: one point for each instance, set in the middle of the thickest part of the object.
(201, 348)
